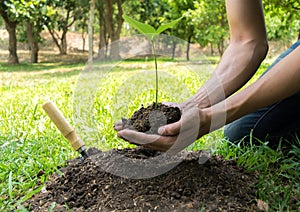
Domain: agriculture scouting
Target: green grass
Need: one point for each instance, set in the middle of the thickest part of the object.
(32, 149)
(278, 171)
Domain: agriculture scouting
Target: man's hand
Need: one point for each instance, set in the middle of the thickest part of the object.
(172, 138)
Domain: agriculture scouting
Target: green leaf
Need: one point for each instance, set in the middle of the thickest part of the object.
(29, 195)
(10, 187)
(167, 26)
(143, 28)
(52, 207)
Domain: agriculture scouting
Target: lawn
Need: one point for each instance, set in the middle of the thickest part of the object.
(32, 149)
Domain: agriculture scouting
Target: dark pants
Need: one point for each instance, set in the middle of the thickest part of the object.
(272, 123)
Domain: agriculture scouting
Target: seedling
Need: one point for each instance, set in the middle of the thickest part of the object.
(150, 32)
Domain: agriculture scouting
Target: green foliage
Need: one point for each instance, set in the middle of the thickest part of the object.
(205, 21)
(150, 32)
(185, 29)
(2, 23)
(210, 21)
(35, 12)
(277, 170)
(145, 29)
(65, 13)
(31, 148)
(282, 19)
(150, 12)
(28, 9)
(170, 25)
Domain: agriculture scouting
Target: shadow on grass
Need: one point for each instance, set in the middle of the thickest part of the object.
(61, 74)
(206, 60)
(29, 67)
(68, 65)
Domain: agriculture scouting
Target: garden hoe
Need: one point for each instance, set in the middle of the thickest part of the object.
(65, 128)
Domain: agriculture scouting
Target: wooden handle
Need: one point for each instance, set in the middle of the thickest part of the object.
(62, 124)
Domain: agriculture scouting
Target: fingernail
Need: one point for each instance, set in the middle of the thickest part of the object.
(161, 130)
(117, 128)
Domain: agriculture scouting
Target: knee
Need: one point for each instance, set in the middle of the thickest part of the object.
(237, 131)
(231, 132)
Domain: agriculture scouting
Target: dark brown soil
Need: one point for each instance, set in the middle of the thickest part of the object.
(149, 119)
(146, 180)
(216, 185)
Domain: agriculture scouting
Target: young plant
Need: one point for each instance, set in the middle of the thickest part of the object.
(150, 32)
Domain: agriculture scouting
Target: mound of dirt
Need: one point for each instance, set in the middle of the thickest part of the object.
(196, 182)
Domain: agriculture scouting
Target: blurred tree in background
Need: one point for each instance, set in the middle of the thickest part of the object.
(33, 15)
(64, 15)
(204, 22)
(11, 21)
(185, 29)
(282, 19)
(210, 22)
(110, 24)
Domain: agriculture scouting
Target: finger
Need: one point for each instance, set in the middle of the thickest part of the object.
(122, 137)
(137, 137)
(118, 125)
(170, 129)
(189, 131)
(155, 142)
(171, 104)
(163, 143)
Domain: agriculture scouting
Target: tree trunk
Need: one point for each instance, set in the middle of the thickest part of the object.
(221, 47)
(173, 48)
(299, 35)
(221, 41)
(115, 48)
(63, 41)
(102, 51)
(91, 31)
(83, 39)
(211, 49)
(32, 37)
(13, 56)
(11, 29)
(55, 39)
(188, 48)
(110, 26)
(114, 32)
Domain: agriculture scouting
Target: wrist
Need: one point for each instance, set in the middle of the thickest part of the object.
(198, 102)
(205, 121)
(215, 117)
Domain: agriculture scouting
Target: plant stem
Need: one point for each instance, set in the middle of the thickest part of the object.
(156, 74)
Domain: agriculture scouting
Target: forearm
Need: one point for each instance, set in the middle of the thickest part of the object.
(282, 81)
(247, 49)
(239, 62)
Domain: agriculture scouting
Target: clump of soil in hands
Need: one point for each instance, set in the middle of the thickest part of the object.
(217, 185)
(149, 119)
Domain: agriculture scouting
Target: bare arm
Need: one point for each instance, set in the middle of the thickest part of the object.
(247, 49)
(282, 81)
(277, 84)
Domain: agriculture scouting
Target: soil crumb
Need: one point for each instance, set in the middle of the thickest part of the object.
(196, 182)
(149, 119)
